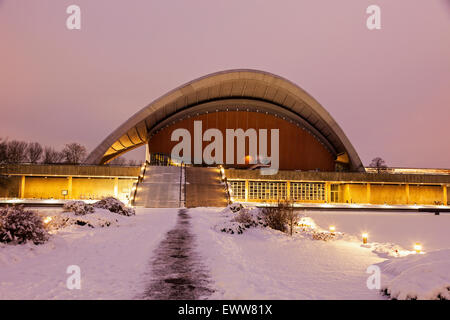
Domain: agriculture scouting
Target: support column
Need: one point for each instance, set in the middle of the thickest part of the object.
(347, 192)
(246, 190)
(22, 188)
(327, 191)
(288, 190)
(116, 187)
(445, 195)
(69, 188)
(368, 193)
(147, 152)
(407, 193)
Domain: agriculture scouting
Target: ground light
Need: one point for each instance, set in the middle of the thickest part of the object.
(365, 236)
(332, 229)
(47, 220)
(418, 247)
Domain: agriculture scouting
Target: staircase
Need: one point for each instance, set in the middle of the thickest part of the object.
(160, 188)
(204, 188)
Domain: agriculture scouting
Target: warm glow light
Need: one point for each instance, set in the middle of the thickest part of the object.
(332, 229)
(47, 220)
(365, 236)
(418, 247)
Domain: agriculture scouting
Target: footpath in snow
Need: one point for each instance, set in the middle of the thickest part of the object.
(177, 272)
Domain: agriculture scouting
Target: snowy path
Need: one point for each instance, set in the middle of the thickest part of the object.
(265, 264)
(177, 272)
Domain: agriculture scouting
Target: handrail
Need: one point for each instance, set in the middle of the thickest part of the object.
(181, 177)
(227, 188)
(139, 180)
(185, 174)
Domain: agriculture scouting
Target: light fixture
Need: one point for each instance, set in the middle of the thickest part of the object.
(365, 236)
(418, 247)
(332, 229)
(47, 220)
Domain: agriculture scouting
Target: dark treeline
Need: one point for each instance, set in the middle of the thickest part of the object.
(14, 152)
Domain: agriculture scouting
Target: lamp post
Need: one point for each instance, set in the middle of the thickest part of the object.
(418, 247)
(365, 236)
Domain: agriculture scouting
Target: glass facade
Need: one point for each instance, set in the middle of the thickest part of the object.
(266, 190)
(277, 190)
(301, 191)
(237, 189)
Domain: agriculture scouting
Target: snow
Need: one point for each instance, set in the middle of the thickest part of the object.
(266, 264)
(260, 263)
(419, 276)
(112, 259)
(401, 228)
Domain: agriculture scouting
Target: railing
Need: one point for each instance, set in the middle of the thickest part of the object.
(225, 180)
(136, 184)
(160, 159)
(181, 200)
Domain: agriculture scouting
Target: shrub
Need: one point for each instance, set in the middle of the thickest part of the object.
(283, 217)
(79, 208)
(235, 207)
(244, 217)
(114, 205)
(19, 226)
(275, 218)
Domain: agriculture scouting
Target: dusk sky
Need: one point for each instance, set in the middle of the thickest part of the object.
(388, 89)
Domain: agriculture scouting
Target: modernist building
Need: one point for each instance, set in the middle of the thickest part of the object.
(317, 162)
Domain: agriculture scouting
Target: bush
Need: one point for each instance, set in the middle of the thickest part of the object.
(114, 205)
(275, 218)
(235, 207)
(79, 208)
(283, 217)
(19, 226)
(244, 217)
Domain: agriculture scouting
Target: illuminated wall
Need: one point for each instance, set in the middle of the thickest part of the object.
(316, 192)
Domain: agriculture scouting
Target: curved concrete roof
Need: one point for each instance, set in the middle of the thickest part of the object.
(231, 85)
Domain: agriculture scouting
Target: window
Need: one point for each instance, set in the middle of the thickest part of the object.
(334, 193)
(265, 190)
(307, 191)
(237, 189)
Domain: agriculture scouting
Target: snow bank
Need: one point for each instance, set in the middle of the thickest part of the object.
(417, 276)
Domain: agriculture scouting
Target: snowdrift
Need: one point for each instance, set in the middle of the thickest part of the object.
(417, 276)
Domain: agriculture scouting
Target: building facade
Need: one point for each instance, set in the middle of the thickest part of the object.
(317, 162)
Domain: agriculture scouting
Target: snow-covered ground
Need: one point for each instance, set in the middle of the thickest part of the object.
(401, 228)
(261, 263)
(112, 259)
(266, 264)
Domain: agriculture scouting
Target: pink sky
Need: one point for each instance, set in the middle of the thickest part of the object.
(389, 90)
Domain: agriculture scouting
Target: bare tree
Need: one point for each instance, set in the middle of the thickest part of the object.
(379, 164)
(74, 153)
(51, 156)
(34, 152)
(16, 151)
(291, 215)
(3, 150)
(132, 162)
(119, 161)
